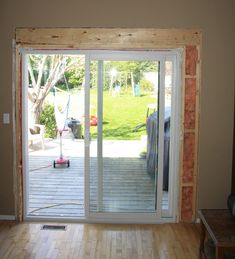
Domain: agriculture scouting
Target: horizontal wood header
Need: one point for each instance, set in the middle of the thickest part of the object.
(106, 38)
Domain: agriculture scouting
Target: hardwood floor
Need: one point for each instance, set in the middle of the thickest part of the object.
(104, 241)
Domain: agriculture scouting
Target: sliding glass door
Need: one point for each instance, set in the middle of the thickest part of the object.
(120, 133)
(129, 106)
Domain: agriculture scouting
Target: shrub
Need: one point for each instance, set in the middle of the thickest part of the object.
(47, 118)
(146, 85)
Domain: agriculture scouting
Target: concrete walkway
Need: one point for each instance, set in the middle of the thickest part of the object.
(75, 147)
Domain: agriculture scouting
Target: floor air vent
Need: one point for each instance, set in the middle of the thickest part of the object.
(53, 227)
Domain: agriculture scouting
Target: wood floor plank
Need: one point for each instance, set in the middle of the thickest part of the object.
(127, 186)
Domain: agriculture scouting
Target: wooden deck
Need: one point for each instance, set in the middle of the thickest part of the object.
(59, 192)
(60, 189)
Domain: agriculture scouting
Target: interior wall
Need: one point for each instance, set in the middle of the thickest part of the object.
(214, 18)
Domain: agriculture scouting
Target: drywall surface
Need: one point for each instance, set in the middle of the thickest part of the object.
(214, 18)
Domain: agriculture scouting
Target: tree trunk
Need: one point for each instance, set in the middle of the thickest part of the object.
(34, 112)
(38, 93)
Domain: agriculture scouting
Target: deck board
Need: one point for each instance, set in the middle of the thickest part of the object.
(126, 186)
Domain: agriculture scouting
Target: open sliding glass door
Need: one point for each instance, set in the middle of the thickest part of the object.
(125, 164)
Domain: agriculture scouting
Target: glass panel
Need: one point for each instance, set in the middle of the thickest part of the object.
(168, 104)
(129, 137)
(55, 101)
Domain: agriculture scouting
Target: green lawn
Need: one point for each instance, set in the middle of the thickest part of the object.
(122, 114)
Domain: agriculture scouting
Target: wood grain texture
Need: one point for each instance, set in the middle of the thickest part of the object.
(60, 191)
(18, 179)
(106, 38)
(102, 241)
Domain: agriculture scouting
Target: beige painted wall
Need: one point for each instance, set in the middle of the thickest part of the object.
(214, 18)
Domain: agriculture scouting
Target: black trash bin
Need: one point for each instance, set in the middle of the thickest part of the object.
(76, 128)
(152, 152)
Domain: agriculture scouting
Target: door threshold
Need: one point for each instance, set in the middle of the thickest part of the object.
(99, 220)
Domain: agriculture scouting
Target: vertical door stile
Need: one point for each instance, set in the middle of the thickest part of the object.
(24, 107)
(172, 133)
(87, 137)
(175, 135)
(100, 137)
(160, 136)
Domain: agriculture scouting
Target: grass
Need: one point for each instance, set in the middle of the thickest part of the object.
(121, 114)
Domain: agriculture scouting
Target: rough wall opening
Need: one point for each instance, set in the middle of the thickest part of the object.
(127, 39)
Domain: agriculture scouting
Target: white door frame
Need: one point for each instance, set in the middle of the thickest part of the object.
(169, 216)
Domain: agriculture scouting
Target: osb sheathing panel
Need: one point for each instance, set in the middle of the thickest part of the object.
(129, 39)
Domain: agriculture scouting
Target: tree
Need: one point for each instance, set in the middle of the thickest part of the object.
(44, 72)
(133, 71)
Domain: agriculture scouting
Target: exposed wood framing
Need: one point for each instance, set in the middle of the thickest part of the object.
(198, 91)
(14, 113)
(180, 177)
(103, 38)
(113, 39)
(18, 137)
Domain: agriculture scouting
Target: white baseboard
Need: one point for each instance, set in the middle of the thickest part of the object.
(7, 217)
